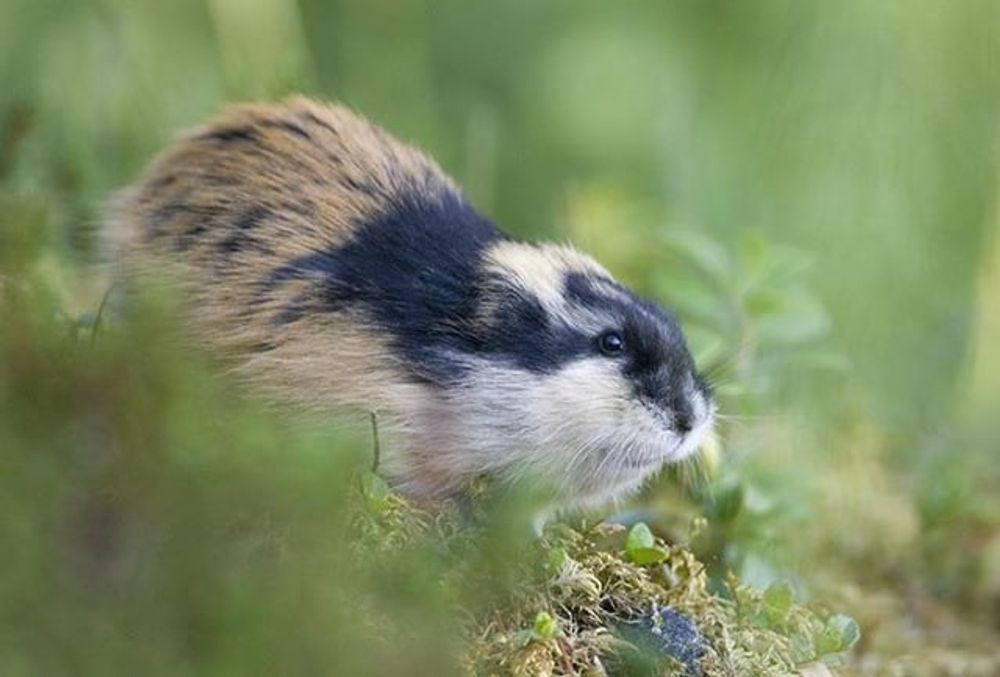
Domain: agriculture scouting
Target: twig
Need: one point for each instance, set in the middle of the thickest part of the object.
(375, 443)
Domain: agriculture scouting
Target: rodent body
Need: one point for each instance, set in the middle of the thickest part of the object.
(342, 269)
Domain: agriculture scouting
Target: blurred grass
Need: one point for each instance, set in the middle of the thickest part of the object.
(154, 523)
(813, 186)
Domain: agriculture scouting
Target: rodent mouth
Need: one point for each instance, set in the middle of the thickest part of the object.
(683, 446)
(651, 459)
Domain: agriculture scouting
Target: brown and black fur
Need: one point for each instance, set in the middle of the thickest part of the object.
(343, 269)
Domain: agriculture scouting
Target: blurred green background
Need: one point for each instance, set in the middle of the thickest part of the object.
(812, 185)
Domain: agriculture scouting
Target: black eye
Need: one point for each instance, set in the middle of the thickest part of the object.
(610, 343)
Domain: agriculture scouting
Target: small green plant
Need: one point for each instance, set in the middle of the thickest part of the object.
(750, 312)
(839, 635)
(545, 627)
(821, 637)
(778, 600)
(641, 548)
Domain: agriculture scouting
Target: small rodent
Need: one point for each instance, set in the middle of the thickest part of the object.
(342, 268)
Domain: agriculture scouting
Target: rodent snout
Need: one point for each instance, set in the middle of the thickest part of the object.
(687, 410)
(683, 421)
(680, 408)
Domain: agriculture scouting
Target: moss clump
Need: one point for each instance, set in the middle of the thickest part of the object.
(593, 591)
(579, 597)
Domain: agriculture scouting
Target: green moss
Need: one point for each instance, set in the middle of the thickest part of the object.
(596, 589)
(566, 616)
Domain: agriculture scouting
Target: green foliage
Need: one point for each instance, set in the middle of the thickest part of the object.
(152, 513)
(778, 600)
(751, 314)
(545, 627)
(640, 547)
(840, 634)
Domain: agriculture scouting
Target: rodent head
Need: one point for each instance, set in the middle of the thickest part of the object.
(575, 381)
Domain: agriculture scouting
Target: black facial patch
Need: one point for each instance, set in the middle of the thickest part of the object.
(411, 270)
(656, 359)
(582, 288)
(521, 333)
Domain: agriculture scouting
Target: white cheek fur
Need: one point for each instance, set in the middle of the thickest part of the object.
(577, 432)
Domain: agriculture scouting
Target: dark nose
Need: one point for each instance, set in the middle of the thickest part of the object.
(667, 389)
(682, 414)
(682, 421)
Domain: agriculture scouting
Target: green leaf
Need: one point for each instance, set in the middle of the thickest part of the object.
(778, 599)
(646, 556)
(639, 536)
(695, 301)
(707, 256)
(840, 634)
(848, 628)
(546, 627)
(641, 548)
